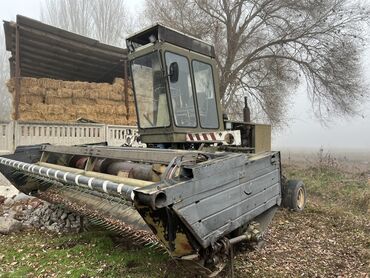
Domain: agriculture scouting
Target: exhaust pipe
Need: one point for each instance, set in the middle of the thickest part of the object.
(246, 111)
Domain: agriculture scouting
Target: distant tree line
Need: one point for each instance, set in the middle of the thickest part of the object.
(108, 21)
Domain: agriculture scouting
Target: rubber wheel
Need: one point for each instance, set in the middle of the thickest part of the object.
(294, 195)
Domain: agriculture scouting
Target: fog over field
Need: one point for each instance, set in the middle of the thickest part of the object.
(303, 130)
(306, 132)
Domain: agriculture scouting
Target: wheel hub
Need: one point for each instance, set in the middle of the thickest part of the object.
(300, 198)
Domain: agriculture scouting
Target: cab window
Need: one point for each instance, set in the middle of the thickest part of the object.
(150, 91)
(205, 90)
(181, 90)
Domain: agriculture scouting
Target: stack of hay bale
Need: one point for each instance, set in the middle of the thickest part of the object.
(43, 99)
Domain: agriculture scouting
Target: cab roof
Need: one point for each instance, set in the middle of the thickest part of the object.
(162, 33)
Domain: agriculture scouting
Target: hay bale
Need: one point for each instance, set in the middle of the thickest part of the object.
(46, 99)
(24, 108)
(37, 91)
(58, 100)
(51, 93)
(29, 82)
(51, 83)
(80, 109)
(79, 85)
(120, 110)
(32, 116)
(83, 101)
(30, 99)
(118, 96)
(65, 92)
(104, 94)
(78, 93)
(51, 108)
(61, 93)
(92, 94)
(10, 84)
(118, 81)
(107, 102)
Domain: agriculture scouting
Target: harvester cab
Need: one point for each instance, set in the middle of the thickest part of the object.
(177, 95)
(203, 184)
(174, 84)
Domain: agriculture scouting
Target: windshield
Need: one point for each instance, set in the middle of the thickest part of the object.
(150, 91)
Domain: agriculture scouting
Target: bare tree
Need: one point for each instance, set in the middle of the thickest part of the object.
(5, 97)
(72, 15)
(266, 48)
(111, 21)
(106, 20)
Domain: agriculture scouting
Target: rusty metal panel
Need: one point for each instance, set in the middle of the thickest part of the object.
(217, 202)
(225, 193)
(50, 52)
(17, 96)
(126, 95)
(262, 138)
(252, 189)
(167, 34)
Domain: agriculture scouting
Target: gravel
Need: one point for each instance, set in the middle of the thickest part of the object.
(30, 212)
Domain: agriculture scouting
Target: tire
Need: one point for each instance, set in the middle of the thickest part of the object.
(294, 195)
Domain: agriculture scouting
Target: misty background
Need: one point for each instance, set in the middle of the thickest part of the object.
(302, 129)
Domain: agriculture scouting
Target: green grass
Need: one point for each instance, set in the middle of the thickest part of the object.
(83, 255)
(335, 189)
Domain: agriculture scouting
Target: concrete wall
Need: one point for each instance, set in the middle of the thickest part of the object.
(15, 134)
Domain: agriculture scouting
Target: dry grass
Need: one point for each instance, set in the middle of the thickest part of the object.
(331, 238)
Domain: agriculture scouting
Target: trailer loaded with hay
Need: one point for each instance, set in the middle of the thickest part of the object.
(62, 77)
(50, 100)
(203, 185)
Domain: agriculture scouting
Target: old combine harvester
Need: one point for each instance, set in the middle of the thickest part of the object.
(203, 184)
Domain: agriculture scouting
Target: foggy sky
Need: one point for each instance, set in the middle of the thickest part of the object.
(304, 130)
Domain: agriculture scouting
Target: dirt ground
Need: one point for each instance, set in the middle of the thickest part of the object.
(314, 243)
